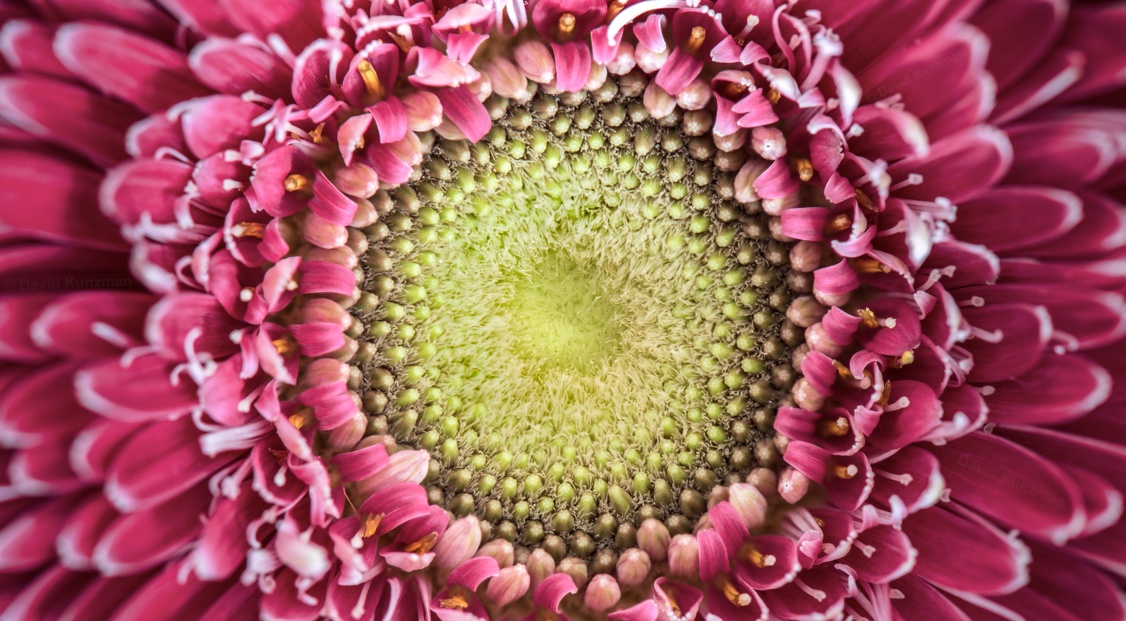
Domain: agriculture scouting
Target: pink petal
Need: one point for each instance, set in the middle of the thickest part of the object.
(1017, 217)
(466, 112)
(138, 392)
(145, 539)
(1059, 389)
(159, 462)
(67, 115)
(127, 66)
(945, 540)
(959, 167)
(235, 67)
(1013, 336)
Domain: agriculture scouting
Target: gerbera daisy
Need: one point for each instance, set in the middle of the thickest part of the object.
(643, 310)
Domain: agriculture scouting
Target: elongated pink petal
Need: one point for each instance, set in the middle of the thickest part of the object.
(127, 66)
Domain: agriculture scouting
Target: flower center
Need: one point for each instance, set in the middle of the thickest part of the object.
(577, 323)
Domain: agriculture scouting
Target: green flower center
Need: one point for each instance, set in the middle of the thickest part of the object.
(576, 323)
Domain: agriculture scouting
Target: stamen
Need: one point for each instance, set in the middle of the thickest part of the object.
(615, 7)
(864, 201)
(317, 135)
(834, 428)
(838, 224)
(457, 602)
(297, 183)
(885, 395)
(285, 346)
(695, 39)
(868, 318)
(371, 524)
(845, 472)
(371, 78)
(805, 169)
(866, 265)
(301, 418)
(248, 229)
(734, 595)
(758, 559)
(773, 96)
(566, 24)
(424, 545)
(903, 360)
(843, 371)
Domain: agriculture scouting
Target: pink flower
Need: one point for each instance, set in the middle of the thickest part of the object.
(205, 202)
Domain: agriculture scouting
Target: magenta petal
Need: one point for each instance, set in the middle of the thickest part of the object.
(552, 590)
(329, 203)
(1010, 340)
(730, 526)
(43, 596)
(215, 124)
(390, 117)
(1051, 77)
(466, 112)
(913, 410)
(836, 279)
(911, 477)
(138, 392)
(1060, 388)
(127, 66)
(814, 594)
(774, 564)
(77, 540)
(68, 116)
(284, 604)
(945, 539)
(235, 67)
(678, 71)
(322, 277)
(46, 198)
(158, 463)
(34, 410)
(473, 572)
(889, 133)
(776, 181)
(27, 46)
(881, 554)
(924, 602)
(27, 541)
(1026, 492)
(145, 539)
(713, 554)
(361, 463)
(1010, 218)
(223, 544)
(959, 167)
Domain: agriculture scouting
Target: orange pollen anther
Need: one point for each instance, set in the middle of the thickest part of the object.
(371, 524)
(732, 90)
(567, 24)
(845, 472)
(838, 224)
(866, 265)
(248, 229)
(834, 428)
(614, 8)
(758, 559)
(318, 134)
(907, 357)
(424, 545)
(370, 77)
(864, 201)
(773, 96)
(842, 370)
(284, 346)
(296, 183)
(885, 395)
(869, 318)
(456, 602)
(300, 419)
(695, 39)
(805, 169)
(734, 595)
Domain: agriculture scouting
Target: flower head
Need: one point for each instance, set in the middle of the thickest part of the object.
(647, 310)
